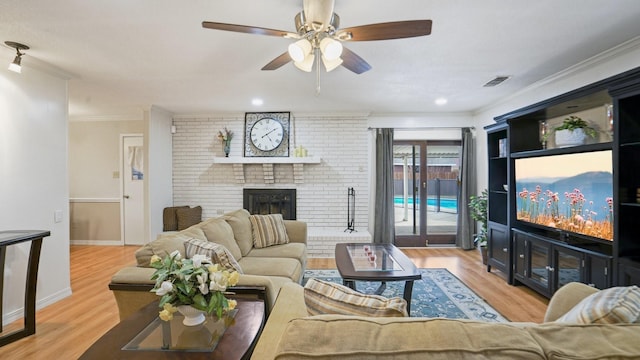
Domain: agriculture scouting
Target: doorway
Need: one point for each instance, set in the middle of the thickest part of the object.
(426, 192)
(132, 208)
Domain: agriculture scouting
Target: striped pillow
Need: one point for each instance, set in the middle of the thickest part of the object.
(268, 230)
(216, 252)
(323, 297)
(609, 306)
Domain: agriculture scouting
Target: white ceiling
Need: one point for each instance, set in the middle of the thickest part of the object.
(125, 55)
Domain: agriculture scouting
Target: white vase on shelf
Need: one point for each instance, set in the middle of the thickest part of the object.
(566, 138)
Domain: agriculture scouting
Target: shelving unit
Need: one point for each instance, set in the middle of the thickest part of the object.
(267, 163)
(498, 234)
(543, 257)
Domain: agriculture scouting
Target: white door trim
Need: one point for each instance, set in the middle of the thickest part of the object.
(122, 164)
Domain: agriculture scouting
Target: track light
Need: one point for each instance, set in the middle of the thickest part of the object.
(15, 65)
(299, 50)
(330, 48)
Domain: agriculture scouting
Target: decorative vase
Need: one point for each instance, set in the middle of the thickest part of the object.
(566, 138)
(192, 316)
(227, 147)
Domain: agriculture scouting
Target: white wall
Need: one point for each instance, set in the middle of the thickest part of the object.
(159, 180)
(34, 181)
(341, 141)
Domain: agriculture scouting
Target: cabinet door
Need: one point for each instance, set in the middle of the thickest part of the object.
(598, 271)
(567, 267)
(539, 265)
(628, 273)
(520, 256)
(498, 243)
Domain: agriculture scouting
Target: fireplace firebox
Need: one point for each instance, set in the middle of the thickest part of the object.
(271, 201)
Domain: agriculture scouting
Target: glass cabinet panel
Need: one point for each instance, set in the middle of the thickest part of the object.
(568, 267)
(539, 263)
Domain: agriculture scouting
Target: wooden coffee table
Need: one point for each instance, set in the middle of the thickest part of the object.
(390, 264)
(237, 342)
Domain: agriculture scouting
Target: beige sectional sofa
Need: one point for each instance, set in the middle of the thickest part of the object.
(291, 334)
(269, 267)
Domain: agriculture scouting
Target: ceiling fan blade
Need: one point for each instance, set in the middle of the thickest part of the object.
(386, 31)
(353, 62)
(247, 29)
(278, 62)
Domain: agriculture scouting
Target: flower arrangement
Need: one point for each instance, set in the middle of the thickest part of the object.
(196, 282)
(225, 135)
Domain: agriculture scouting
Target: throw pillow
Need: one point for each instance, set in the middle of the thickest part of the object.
(323, 297)
(188, 217)
(218, 253)
(170, 218)
(609, 306)
(268, 230)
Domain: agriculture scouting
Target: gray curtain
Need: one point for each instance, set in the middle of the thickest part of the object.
(467, 181)
(384, 229)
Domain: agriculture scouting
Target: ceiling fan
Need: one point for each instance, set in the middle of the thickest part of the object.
(318, 37)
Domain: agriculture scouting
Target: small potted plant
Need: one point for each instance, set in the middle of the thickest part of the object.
(573, 131)
(478, 206)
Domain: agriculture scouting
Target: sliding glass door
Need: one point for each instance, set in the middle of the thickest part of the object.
(426, 192)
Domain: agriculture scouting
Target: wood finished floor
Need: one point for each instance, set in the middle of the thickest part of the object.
(67, 328)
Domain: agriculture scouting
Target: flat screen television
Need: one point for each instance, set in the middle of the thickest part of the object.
(569, 192)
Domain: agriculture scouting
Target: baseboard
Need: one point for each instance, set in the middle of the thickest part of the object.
(40, 304)
(97, 242)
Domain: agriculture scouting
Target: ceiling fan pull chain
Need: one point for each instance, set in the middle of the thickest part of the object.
(317, 71)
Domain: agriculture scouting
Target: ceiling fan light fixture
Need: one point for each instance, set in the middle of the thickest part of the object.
(331, 64)
(306, 64)
(331, 49)
(299, 50)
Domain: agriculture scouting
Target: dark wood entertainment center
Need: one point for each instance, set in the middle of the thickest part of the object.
(544, 258)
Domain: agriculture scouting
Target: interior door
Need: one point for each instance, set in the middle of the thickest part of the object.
(426, 192)
(133, 189)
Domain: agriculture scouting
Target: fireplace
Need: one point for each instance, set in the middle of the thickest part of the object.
(271, 201)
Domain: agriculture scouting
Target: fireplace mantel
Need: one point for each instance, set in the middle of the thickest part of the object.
(267, 166)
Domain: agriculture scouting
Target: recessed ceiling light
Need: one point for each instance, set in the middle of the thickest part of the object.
(440, 101)
(257, 102)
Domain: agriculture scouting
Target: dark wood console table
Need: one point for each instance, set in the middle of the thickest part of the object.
(13, 237)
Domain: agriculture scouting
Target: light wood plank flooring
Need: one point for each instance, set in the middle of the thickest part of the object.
(67, 328)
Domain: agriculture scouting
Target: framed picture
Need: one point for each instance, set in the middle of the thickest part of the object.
(266, 134)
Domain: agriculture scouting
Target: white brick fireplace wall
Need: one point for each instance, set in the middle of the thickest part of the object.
(342, 142)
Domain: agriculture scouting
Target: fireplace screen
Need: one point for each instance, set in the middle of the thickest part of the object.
(271, 201)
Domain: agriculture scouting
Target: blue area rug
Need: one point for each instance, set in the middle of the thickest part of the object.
(438, 294)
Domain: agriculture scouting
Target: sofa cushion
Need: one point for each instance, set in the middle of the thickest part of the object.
(162, 246)
(283, 267)
(324, 297)
(241, 225)
(217, 230)
(359, 337)
(268, 230)
(170, 218)
(609, 306)
(296, 251)
(216, 252)
(593, 341)
(188, 216)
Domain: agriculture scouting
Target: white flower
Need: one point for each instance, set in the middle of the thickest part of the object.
(165, 288)
(202, 280)
(176, 254)
(218, 282)
(198, 259)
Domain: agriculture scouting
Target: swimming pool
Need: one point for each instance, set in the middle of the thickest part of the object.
(451, 204)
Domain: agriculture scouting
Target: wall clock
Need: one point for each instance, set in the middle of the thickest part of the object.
(266, 134)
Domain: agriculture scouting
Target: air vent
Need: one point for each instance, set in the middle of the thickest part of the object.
(497, 81)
